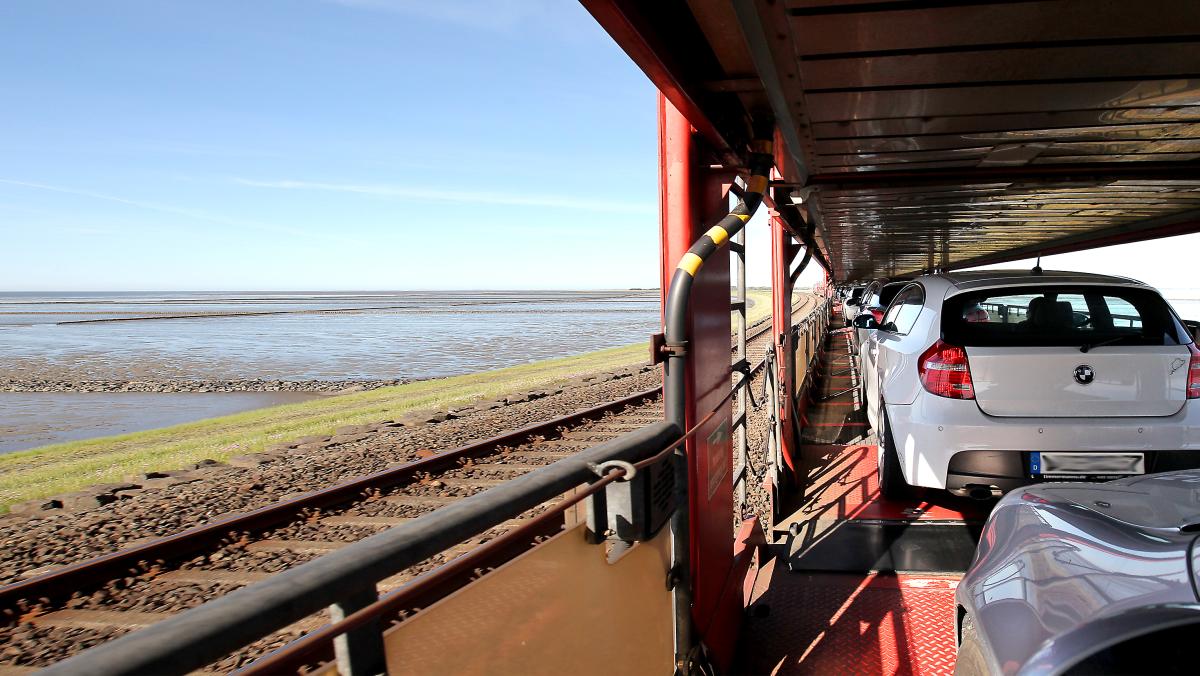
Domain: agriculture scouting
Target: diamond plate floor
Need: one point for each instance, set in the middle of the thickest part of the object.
(842, 608)
(847, 623)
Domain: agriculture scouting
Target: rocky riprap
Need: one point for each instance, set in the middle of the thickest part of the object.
(344, 438)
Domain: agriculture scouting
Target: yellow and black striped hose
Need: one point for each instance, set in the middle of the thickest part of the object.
(678, 297)
(679, 294)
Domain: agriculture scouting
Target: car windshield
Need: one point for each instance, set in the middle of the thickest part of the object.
(855, 295)
(1080, 316)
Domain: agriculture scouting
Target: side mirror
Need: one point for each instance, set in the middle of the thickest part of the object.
(866, 321)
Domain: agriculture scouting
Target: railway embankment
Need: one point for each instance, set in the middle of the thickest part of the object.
(130, 507)
(82, 474)
(449, 416)
(79, 475)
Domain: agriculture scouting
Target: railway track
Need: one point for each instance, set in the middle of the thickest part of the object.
(56, 614)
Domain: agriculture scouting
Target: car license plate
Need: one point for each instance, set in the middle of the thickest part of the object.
(1078, 465)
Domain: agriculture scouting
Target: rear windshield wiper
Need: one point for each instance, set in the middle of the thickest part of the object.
(1090, 346)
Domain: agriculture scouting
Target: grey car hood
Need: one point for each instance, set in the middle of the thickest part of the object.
(1169, 501)
(1055, 558)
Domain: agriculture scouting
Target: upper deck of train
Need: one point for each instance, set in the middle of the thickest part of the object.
(888, 139)
(916, 135)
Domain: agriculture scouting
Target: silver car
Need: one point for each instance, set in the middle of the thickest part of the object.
(1086, 578)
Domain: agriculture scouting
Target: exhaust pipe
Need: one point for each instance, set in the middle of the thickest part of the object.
(981, 491)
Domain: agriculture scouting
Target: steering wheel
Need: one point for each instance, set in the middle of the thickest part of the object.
(1083, 322)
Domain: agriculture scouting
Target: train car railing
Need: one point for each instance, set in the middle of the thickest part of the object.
(808, 337)
(346, 580)
(741, 370)
(605, 578)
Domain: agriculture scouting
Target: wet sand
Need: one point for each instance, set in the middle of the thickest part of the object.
(29, 420)
(198, 355)
(398, 336)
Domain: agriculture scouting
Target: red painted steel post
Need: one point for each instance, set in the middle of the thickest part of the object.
(782, 254)
(692, 199)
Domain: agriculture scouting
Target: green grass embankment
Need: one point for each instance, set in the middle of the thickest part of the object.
(61, 468)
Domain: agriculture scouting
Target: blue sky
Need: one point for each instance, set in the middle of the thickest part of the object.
(341, 144)
(322, 144)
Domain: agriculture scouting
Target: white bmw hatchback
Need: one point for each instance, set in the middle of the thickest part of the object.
(980, 382)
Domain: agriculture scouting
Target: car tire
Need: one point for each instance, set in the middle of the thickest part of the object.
(892, 485)
(971, 661)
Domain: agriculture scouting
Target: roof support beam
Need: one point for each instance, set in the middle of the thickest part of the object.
(794, 223)
(1037, 173)
(1139, 231)
(764, 63)
(670, 68)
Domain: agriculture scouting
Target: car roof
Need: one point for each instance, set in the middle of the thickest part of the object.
(973, 279)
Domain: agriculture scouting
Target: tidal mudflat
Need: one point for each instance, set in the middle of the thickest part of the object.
(190, 356)
(307, 337)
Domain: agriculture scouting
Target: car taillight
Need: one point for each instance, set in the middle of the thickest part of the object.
(1193, 388)
(878, 314)
(945, 372)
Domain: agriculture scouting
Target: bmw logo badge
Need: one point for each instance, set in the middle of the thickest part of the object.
(1084, 374)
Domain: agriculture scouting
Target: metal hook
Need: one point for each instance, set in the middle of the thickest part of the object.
(602, 468)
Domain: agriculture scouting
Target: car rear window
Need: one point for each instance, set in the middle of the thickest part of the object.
(1054, 315)
(856, 295)
(889, 291)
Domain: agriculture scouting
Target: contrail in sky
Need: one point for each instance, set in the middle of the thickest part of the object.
(178, 211)
(460, 196)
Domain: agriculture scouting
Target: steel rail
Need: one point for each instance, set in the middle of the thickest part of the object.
(63, 582)
(197, 637)
(50, 587)
(291, 656)
(422, 587)
(294, 655)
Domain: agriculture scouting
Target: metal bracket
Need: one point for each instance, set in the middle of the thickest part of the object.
(634, 507)
(742, 366)
(660, 349)
(675, 349)
(673, 578)
(601, 469)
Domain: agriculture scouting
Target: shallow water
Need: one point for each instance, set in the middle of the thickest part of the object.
(30, 419)
(309, 336)
(276, 336)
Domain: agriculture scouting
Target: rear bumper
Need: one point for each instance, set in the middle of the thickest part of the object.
(949, 443)
(1003, 471)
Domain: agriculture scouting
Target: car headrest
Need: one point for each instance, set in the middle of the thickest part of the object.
(1037, 310)
(1064, 315)
(1044, 313)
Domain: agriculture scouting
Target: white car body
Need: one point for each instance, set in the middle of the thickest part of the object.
(851, 305)
(874, 296)
(1026, 399)
(870, 296)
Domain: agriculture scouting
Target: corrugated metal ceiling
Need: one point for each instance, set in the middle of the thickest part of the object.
(936, 133)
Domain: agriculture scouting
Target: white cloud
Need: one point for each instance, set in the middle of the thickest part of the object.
(461, 196)
(500, 15)
(565, 21)
(178, 211)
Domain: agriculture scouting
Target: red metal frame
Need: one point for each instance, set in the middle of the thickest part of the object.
(692, 199)
(783, 252)
(622, 20)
